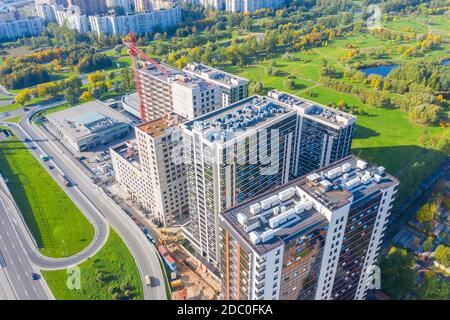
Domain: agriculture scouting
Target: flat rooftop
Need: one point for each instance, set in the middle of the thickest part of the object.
(333, 186)
(151, 70)
(87, 119)
(267, 220)
(313, 110)
(157, 127)
(129, 152)
(214, 74)
(266, 227)
(238, 117)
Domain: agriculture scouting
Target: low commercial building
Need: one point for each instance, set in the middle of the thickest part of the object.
(130, 104)
(88, 126)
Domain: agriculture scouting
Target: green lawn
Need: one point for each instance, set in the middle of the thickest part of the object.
(14, 119)
(10, 107)
(117, 267)
(58, 226)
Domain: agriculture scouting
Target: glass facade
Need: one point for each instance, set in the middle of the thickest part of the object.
(358, 231)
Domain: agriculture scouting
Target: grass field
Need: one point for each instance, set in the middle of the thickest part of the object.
(117, 267)
(58, 226)
(384, 136)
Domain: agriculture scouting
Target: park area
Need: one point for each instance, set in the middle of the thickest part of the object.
(111, 274)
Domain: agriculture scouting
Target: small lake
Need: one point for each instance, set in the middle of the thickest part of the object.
(445, 62)
(382, 70)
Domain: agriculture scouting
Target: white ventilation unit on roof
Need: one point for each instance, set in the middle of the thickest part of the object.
(331, 174)
(266, 204)
(255, 208)
(241, 218)
(353, 183)
(299, 208)
(377, 177)
(361, 164)
(380, 170)
(255, 237)
(308, 205)
(286, 194)
(346, 167)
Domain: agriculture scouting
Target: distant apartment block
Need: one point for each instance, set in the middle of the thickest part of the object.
(186, 93)
(316, 237)
(239, 5)
(251, 146)
(89, 7)
(14, 25)
(141, 22)
(145, 167)
(106, 22)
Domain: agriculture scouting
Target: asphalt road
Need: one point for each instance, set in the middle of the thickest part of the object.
(145, 254)
(16, 268)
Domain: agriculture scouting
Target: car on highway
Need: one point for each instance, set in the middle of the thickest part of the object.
(51, 167)
(27, 140)
(44, 157)
(35, 276)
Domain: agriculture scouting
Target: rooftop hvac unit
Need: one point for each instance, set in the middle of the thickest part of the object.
(380, 170)
(331, 174)
(325, 185)
(255, 208)
(276, 211)
(346, 167)
(377, 177)
(286, 194)
(299, 208)
(266, 204)
(255, 237)
(274, 200)
(361, 164)
(352, 183)
(241, 218)
(366, 178)
(308, 205)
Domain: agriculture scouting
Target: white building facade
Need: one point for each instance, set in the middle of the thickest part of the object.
(316, 238)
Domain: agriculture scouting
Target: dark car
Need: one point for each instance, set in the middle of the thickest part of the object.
(51, 167)
(35, 276)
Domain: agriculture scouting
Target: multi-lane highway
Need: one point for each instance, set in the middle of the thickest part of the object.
(16, 268)
(144, 252)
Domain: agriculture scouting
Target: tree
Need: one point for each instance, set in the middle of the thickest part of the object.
(434, 288)
(72, 96)
(23, 96)
(289, 84)
(428, 243)
(397, 273)
(256, 87)
(442, 255)
(86, 95)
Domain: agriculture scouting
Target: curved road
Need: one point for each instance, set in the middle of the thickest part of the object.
(100, 209)
(94, 216)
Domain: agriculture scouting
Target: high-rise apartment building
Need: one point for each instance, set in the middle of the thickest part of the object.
(249, 147)
(150, 170)
(316, 237)
(184, 93)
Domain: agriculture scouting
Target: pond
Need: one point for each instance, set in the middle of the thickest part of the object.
(382, 70)
(445, 62)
